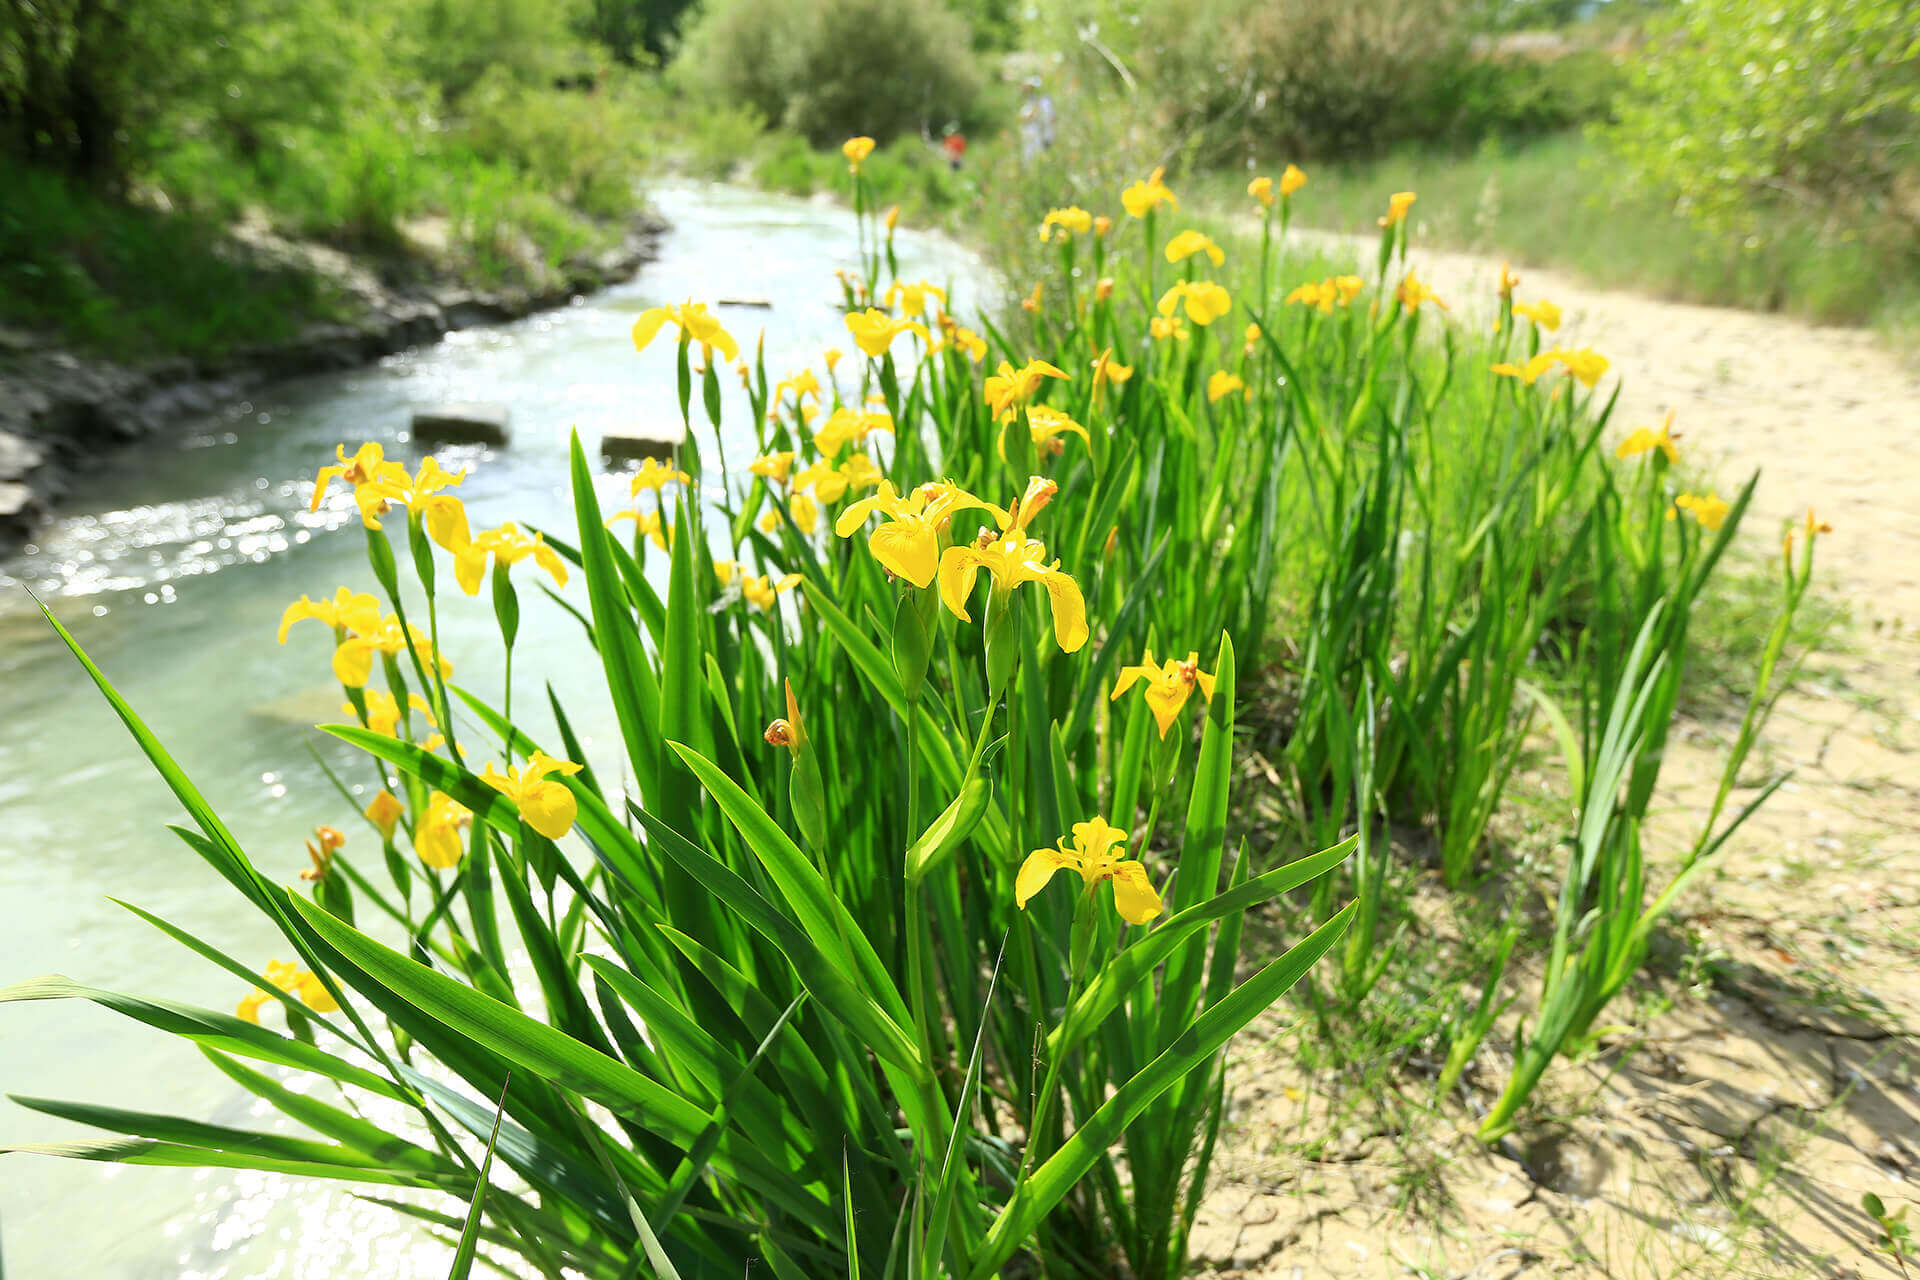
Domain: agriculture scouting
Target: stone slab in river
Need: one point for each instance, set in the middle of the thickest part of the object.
(642, 442)
(473, 423)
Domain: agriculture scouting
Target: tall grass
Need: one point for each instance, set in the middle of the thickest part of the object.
(814, 996)
(1561, 202)
(133, 282)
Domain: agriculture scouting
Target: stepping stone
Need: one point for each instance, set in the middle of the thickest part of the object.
(642, 442)
(468, 423)
(758, 304)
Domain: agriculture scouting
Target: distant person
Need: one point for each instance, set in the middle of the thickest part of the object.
(953, 146)
(1036, 119)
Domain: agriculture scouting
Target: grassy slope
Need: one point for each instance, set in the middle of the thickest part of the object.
(1554, 203)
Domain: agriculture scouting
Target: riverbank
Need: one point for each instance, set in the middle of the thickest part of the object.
(62, 410)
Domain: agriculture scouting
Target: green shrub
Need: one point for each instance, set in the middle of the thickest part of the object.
(830, 69)
(1326, 79)
(1518, 96)
(1736, 106)
(576, 145)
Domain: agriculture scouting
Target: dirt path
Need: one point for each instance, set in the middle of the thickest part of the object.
(1768, 1079)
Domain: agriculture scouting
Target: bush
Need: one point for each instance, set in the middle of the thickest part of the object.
(830, 69)
(1736, 106)
(1326, 79)
(574, 144)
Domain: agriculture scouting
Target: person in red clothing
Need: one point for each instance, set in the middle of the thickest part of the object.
(955, 146)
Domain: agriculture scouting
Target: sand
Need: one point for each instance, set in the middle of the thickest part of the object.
(1764, 1080)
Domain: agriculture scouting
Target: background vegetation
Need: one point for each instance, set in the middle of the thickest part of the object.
(496, 139)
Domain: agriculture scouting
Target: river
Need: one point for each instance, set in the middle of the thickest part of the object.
(171, 564)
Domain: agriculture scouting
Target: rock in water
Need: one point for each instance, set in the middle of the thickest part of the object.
(474, 423)
(642, 442)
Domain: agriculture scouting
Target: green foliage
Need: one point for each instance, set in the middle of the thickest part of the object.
(812, 996)
(132, 282)
(343, 120)
(1560, 201)
(635, 32)
(832, 69)
(524, 41)
(1896, 1237)
(1740, 106)
(1230, 80)
(905, 174)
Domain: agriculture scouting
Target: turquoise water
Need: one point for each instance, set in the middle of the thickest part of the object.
(172, 564)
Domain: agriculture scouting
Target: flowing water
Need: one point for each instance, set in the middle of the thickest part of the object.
(171, 564)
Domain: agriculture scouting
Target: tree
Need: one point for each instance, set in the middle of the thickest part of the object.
(636, 32)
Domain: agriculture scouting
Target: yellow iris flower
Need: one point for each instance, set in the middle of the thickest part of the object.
(1647, 440)
(1188, 243)
(1261, 189)
(1046, 426)
(1013, 560)
(353, 657)
(1205, 301)
(331, 842)
(347, 610)
(384, 812)
(1161, 328)
(1585, 365)
(830, 483)
(691, 318)
(1397, 205)
(856, 150)
(648, 523)
(365, 466)
(437, 839)
(1291, 180)
(1413, 292)
(1106, 369)
(874, 330)
(846, 426)
(1508, 281)
(288, 979)
(1169, 685)
(1149, 194)
(773, 466)
(508, 546)
(1709, 509)
(911, 299)
(1543, 313)
(761, 592)
(1532, 371)
(1071, 220)
(445, 516)
(804, 510)
(653, 476)
(383, 715)
(954, 335)
(1223, 384)
(802, 384)
(908, 545)
(1008, 388)
(1097, 854)
(548, 807)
